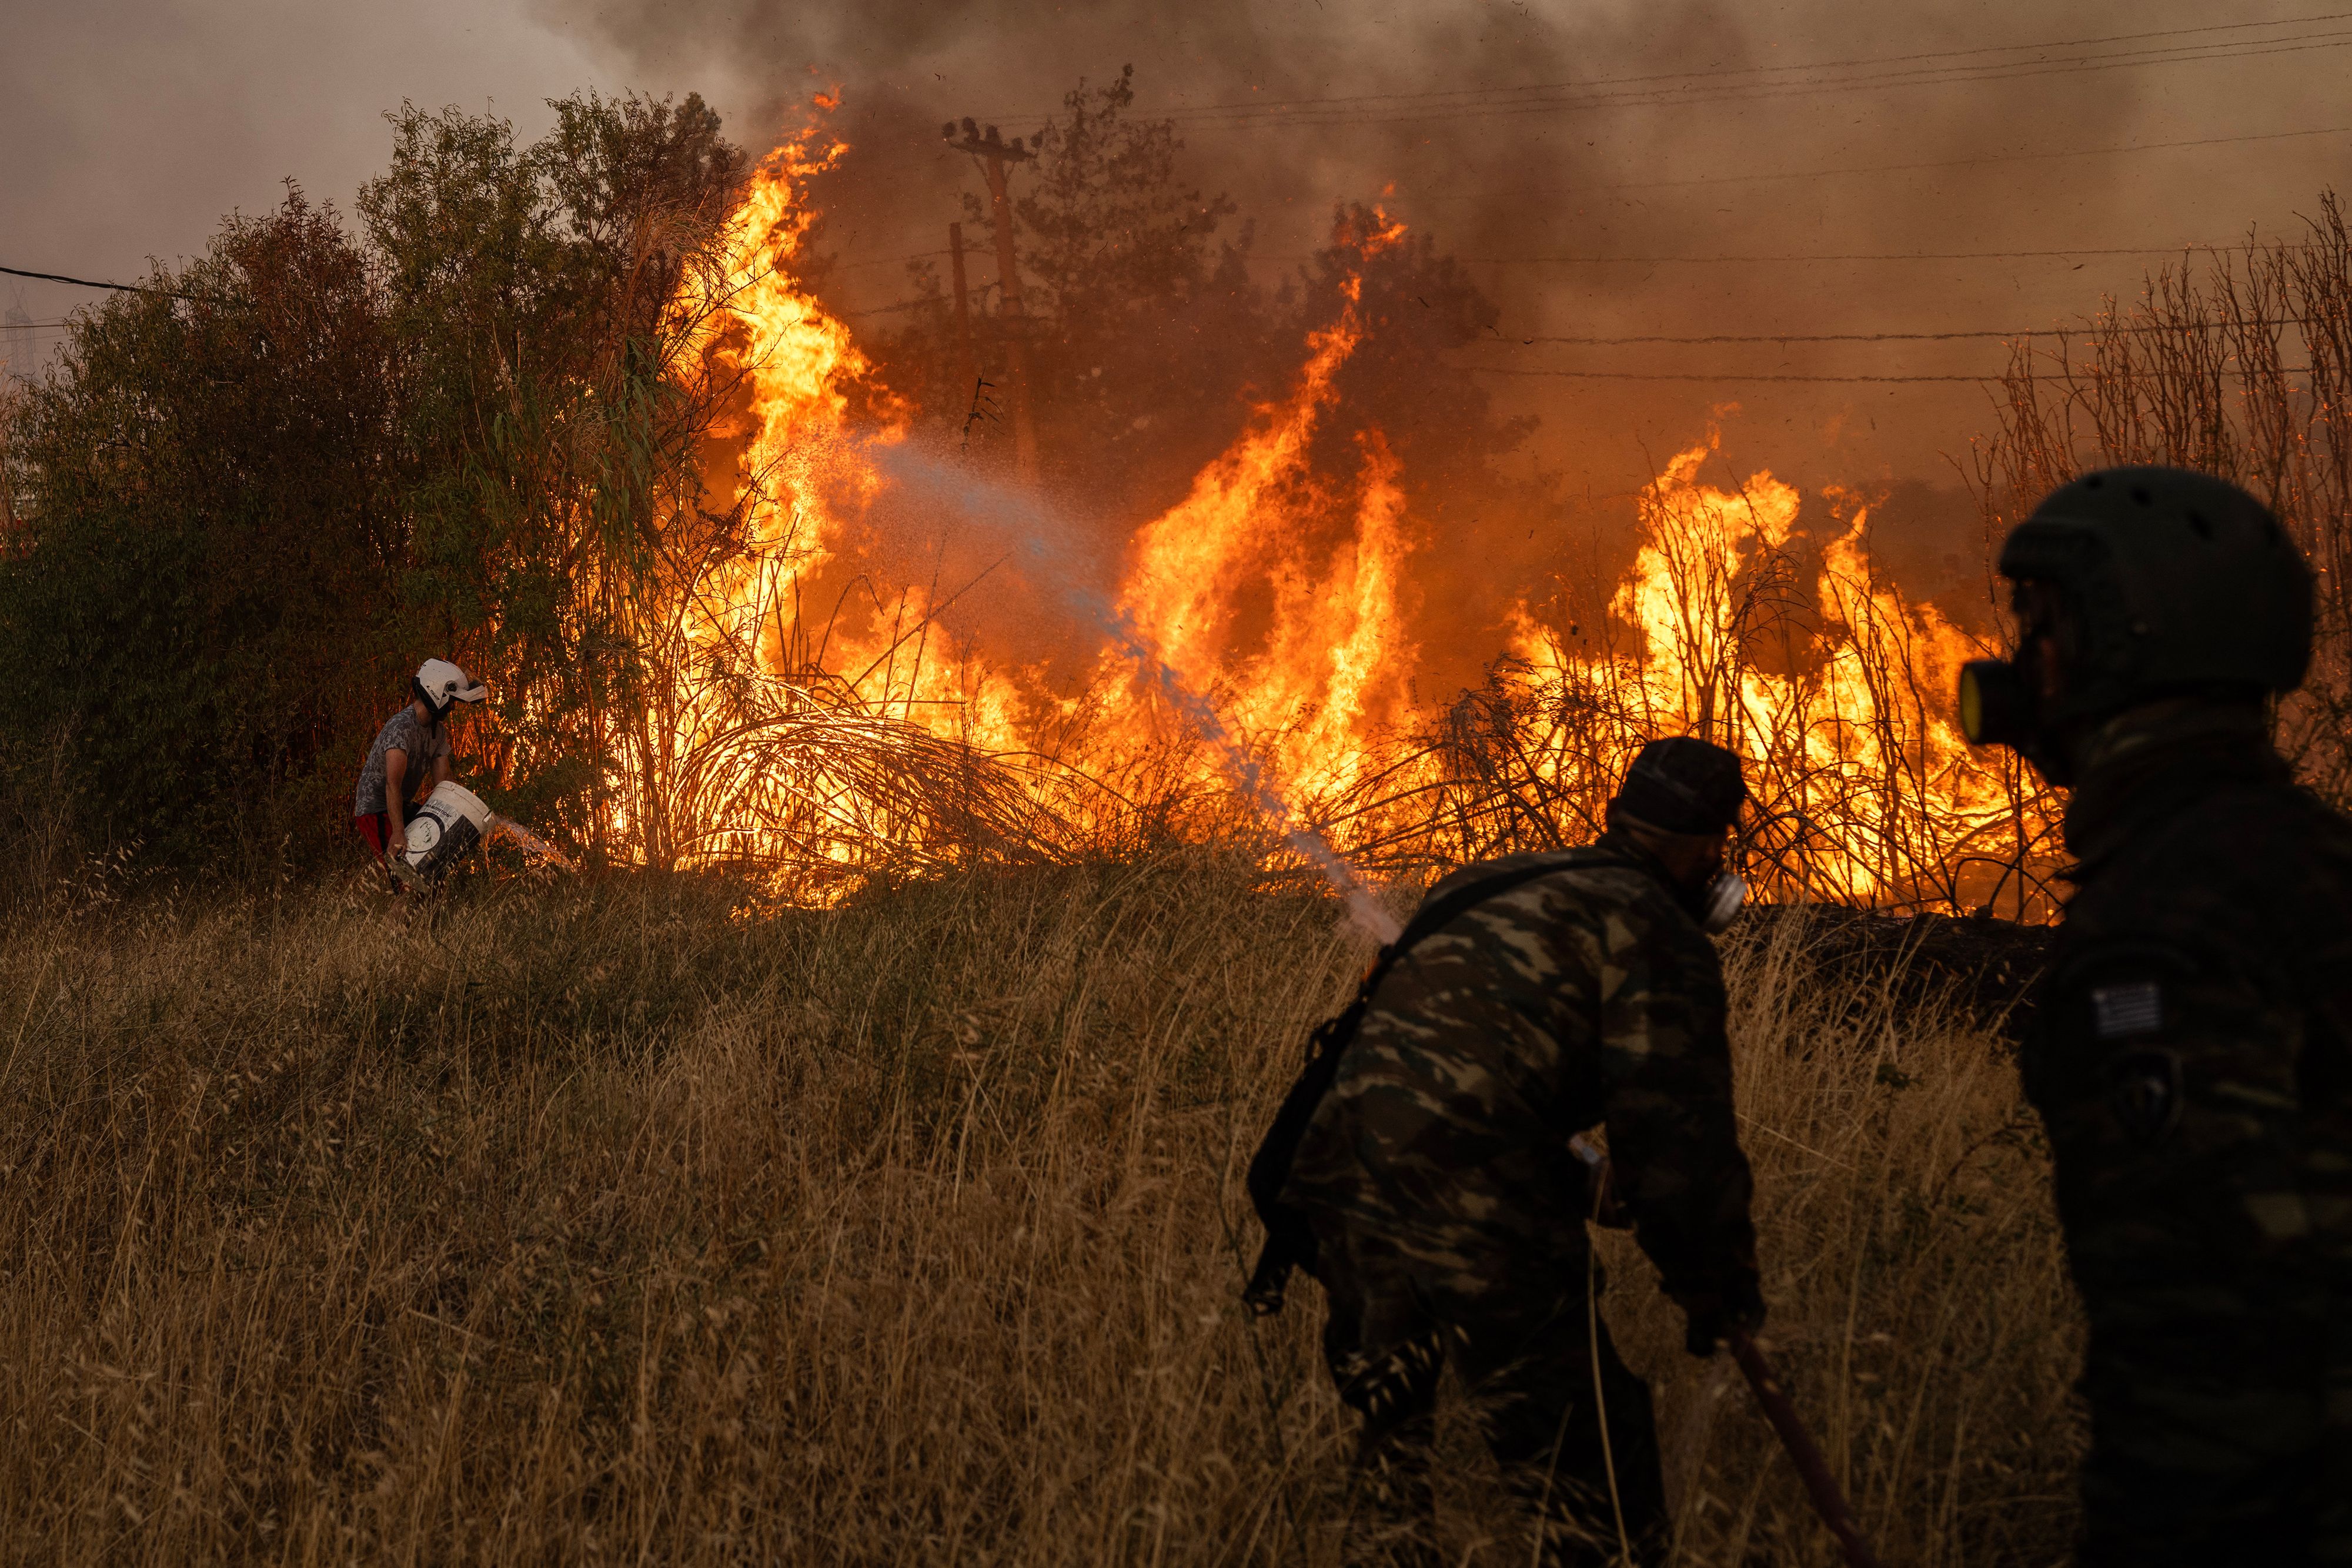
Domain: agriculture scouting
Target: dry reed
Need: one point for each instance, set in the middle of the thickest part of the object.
(2235, 364)
(607, 1221)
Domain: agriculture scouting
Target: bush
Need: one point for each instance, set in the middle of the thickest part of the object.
(198, 606)
(255, 495)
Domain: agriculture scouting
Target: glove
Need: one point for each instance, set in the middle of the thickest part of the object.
(1710, 1316)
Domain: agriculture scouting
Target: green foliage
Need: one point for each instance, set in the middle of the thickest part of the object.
(195, 600)
(476, 425)
(552, 440)
(552, 445)
(252, 497)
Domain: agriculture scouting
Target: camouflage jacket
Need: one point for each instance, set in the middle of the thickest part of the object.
(2192, 1056)
(1573, 999)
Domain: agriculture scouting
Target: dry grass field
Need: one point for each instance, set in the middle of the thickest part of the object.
(601, 1223)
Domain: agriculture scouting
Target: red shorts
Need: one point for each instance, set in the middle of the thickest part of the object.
(373, 829)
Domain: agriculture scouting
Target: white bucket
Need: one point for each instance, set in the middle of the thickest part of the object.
(446, 827)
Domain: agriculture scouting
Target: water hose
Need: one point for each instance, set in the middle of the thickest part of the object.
(1828, 1501)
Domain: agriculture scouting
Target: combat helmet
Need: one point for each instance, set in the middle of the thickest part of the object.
(1680, 784)
(2165, 582)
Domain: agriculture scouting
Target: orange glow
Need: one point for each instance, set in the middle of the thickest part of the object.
(1304, 649)
(1327, 676)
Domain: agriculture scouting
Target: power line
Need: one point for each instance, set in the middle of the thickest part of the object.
(1272, 105)
(896, 306)
(1807, 174)
(1787, 337)
(886, 260)
(1673, 376)
(1645, 339)
(95, 283)
(1844, 255)
(1488, 102)
(1799, 338)
(1768, 91)
(2091, 330)
(1910, 168)
(1793, 257)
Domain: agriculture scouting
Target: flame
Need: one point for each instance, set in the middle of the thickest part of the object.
(1866, 792)
(793, 356)
(1329, 672)
(1282, 601)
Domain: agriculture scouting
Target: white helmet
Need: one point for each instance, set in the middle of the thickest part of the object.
(444, 682)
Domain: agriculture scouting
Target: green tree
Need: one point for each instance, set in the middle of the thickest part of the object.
(1145, 329)
(194, 598)
(256, 493)
(554, 402)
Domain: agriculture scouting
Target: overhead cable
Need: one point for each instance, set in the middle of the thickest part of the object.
(96, 283)
(1182, 111)
(1568, 192)
(1853, 256)
(2002, 333)
(1700, 94)
(1694, 376)
(1804, 174)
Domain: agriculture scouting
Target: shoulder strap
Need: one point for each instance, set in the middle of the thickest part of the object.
(1289, 1242)
(1435, 913)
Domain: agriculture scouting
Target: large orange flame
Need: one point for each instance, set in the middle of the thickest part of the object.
(1329, 671)
(1866, 791)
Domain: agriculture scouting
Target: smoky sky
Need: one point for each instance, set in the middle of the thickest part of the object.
(127, 128)
(2014, 161)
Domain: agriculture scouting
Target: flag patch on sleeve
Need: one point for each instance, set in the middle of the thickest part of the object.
(2124, 1010)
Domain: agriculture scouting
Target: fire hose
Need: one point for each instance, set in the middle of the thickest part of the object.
(1820, 1485)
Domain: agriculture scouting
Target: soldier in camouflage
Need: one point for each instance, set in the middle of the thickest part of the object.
(1449, 1208)
(2192, 1061)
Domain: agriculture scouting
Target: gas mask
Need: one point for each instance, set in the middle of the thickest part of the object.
(1999, 705)
(1719, 903)
(2000, 699)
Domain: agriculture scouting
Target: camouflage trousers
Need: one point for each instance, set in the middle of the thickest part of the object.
(1583, 1460)
(2221, 1427)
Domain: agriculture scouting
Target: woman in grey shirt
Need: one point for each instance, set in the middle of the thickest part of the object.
(410, 755)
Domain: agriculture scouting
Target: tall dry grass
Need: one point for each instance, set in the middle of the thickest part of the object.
(601, 1223)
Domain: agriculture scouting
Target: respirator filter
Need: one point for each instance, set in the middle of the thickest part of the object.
(1721, 904)
(1996, 706)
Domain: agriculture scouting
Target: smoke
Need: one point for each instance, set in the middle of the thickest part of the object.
(1052, 549)
(132, 129)
(1489, 180)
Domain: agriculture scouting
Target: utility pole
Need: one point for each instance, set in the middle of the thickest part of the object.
(970, 361)
(994, 153)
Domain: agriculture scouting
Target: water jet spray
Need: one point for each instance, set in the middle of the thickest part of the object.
(1025, 516)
